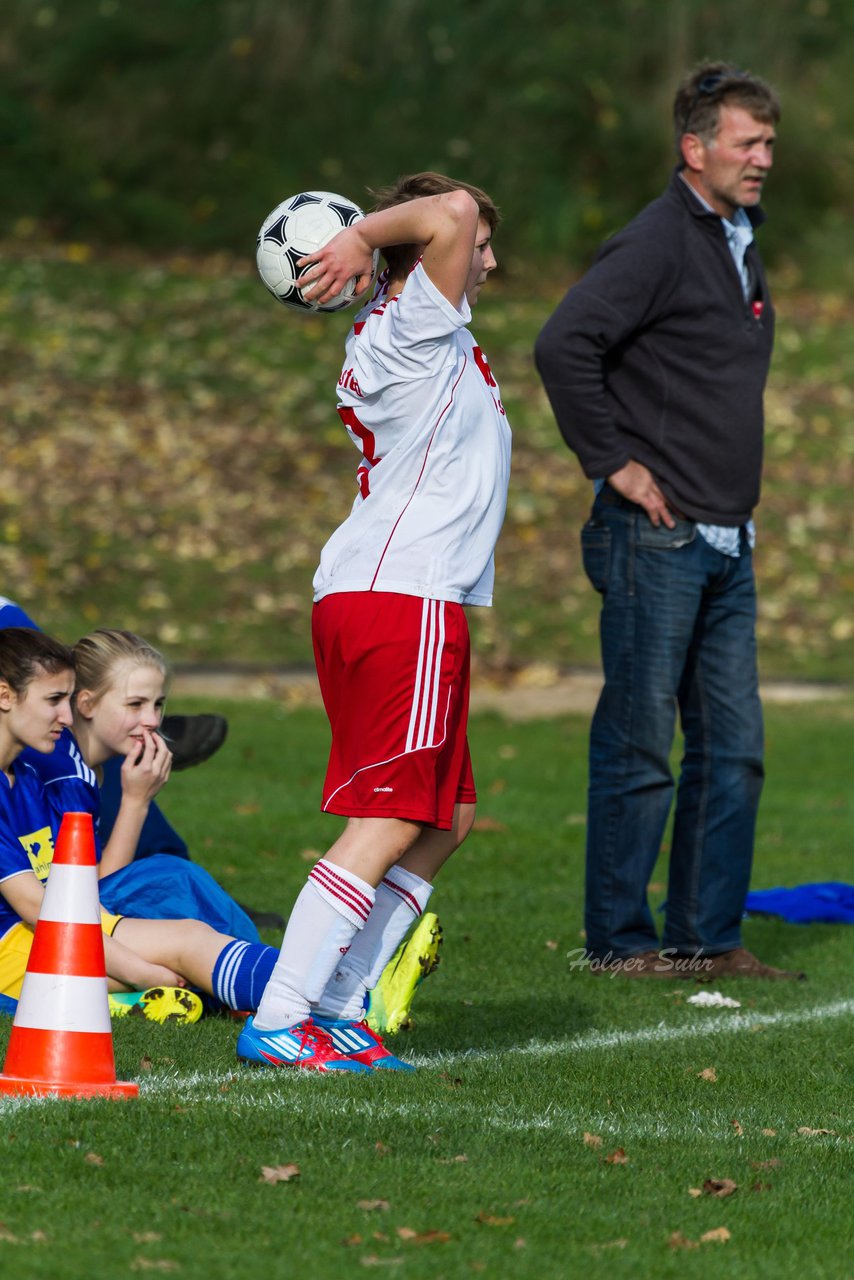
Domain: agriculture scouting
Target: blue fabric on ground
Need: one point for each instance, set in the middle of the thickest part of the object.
(828, 903)
(163, 887)
(157, 835)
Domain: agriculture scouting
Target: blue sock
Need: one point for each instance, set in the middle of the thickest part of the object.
(241, 973)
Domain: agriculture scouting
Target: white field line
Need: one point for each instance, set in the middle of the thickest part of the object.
(715, 1024)
(258, 1089)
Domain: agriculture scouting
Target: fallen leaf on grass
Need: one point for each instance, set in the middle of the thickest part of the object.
(718, 1235)
(737, 1129)
(154, 1264)
(551, 946)
(349, 1241)
(488, 824)
(719, 1187)
(708, 1073)
(450, 1082)
(609, 1244)
(761, 1186)
(774, 1163)
(592, 1140)
(678, 1241)
(372, 1260)
(310, 855)
(617, 1157)
(815, 1133)
(695, 1191)
(370, 1205)
(38, 1237)
(423, 1237)
(381, 1148)
(146, 1237)
(91, 1157)
(490, 1220)
(769, 1133)
(246, 809)
(520, 1243)
(145, 1063)
(279, 1173)
(460, 1159)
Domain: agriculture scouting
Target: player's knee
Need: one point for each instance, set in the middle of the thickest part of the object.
(465, 821)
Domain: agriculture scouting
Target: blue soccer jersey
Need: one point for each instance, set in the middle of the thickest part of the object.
(70, 786)
(28, 830)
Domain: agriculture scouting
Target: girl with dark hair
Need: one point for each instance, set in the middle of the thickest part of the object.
(160, 958)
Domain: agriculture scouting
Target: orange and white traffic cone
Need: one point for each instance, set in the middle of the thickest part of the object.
(61, 1041)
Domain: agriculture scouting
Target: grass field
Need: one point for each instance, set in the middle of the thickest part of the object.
(559, 1124)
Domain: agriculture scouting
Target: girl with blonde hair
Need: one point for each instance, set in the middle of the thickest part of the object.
(36, 690)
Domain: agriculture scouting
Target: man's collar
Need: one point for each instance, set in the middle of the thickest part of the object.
(700, 208)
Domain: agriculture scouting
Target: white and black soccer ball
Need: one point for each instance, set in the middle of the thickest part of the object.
(298, 226)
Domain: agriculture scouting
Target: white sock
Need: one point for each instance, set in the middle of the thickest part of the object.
(401, 899)
(330, 910)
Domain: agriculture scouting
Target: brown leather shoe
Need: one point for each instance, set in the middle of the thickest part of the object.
(742, 963)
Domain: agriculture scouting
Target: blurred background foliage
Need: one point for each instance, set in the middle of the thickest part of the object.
(172, 460)
(181, 122)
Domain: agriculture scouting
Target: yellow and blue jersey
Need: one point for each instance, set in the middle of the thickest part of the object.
(28, 830)
(70, 785)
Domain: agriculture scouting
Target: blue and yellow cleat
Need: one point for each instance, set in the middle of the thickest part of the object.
(157, 1004)
(305, 1046)
(391, 999)
(356, 1041)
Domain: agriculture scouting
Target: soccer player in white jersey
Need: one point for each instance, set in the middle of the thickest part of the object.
(419, 401)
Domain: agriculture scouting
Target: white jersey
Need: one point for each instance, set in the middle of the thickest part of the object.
(419, 400)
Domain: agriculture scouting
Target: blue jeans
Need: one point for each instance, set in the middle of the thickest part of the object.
(677, 631)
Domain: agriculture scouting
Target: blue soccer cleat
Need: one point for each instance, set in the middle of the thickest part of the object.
(305, 1046)
(358, 1043)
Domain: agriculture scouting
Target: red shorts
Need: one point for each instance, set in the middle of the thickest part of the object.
(394, 674)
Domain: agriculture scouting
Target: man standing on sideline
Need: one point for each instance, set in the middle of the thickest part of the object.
(655, 365)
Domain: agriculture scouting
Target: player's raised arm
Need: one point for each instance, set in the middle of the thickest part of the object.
(441, 229)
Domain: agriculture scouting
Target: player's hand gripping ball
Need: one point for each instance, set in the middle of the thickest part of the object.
(300, 225)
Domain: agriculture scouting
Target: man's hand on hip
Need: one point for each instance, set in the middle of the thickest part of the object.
(636, 482)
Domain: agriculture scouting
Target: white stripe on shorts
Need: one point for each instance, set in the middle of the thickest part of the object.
(425, 697)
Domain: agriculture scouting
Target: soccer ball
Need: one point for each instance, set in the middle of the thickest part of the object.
(300, 225)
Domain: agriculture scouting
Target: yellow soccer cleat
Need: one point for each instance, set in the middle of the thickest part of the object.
(391, 998)
(157, 1004)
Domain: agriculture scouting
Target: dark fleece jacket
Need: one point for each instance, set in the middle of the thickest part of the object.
(655, 356)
